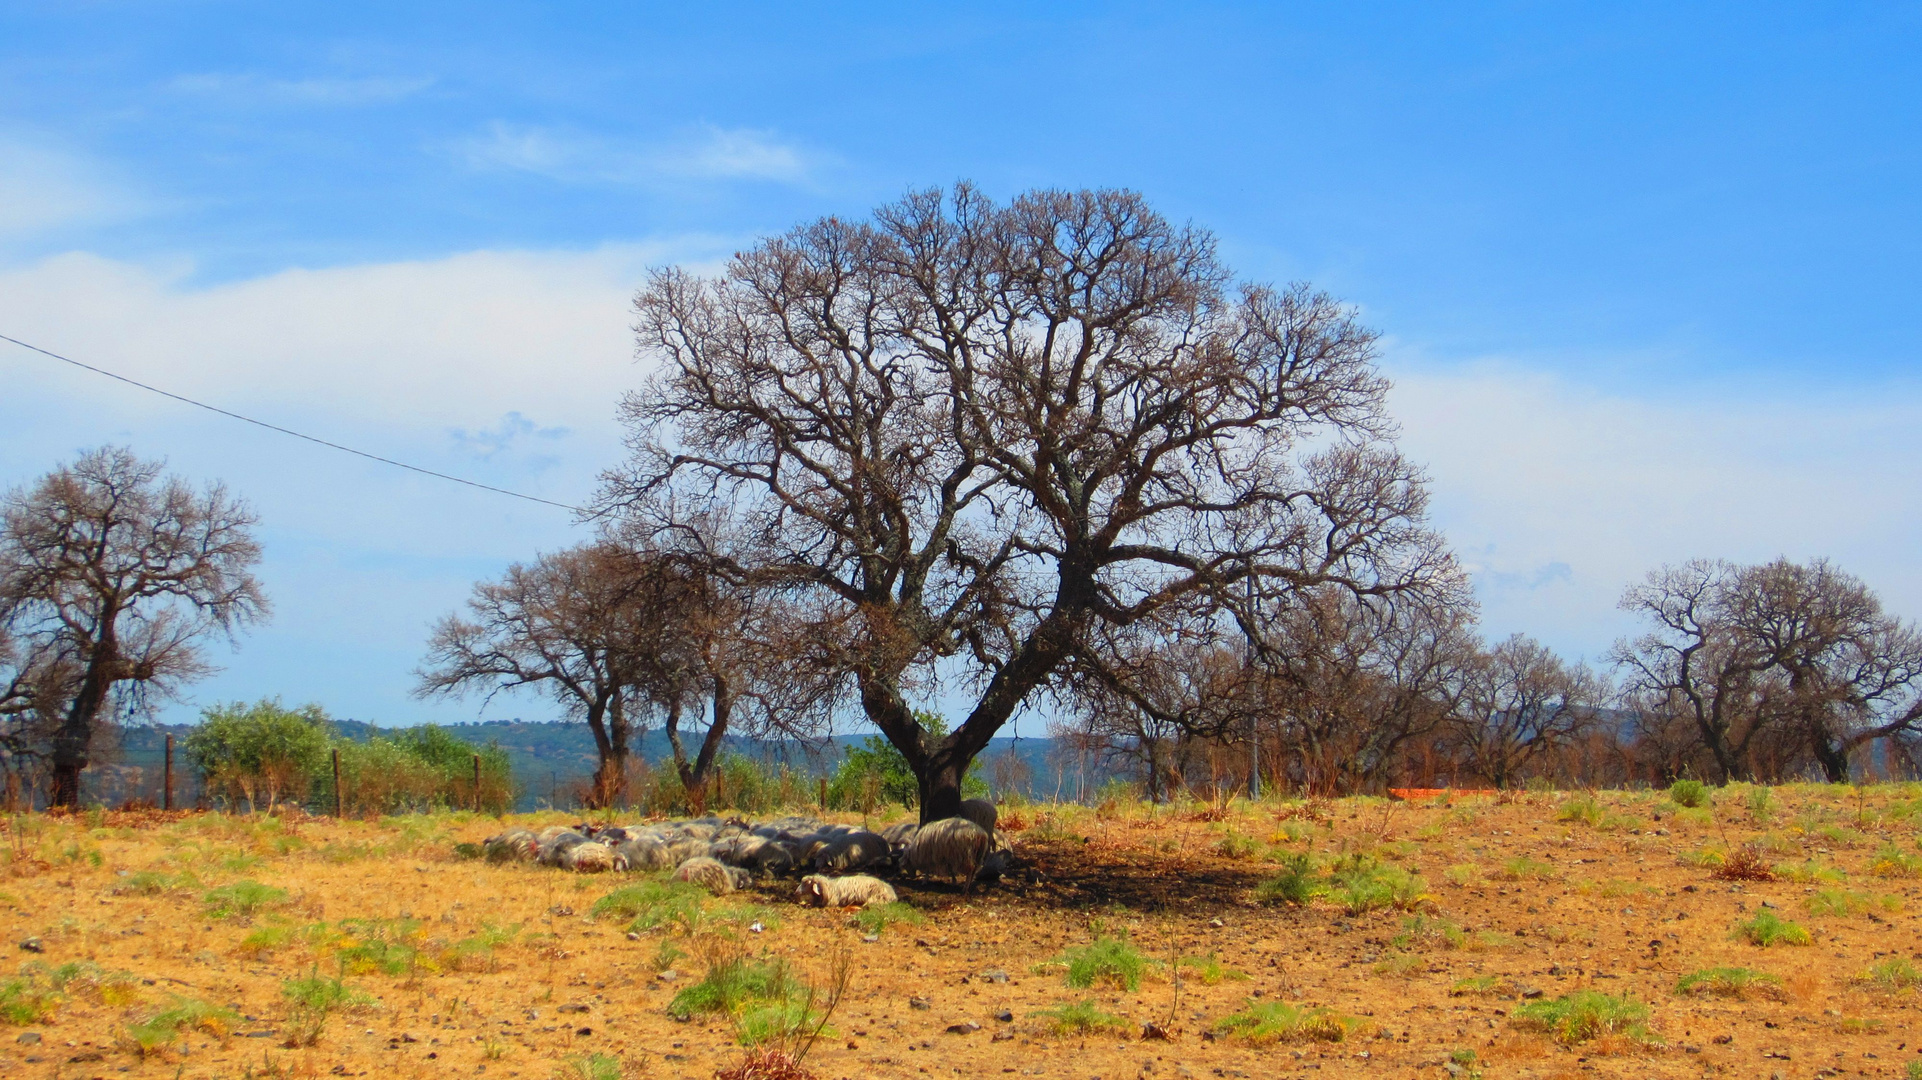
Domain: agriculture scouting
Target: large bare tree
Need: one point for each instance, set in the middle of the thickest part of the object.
(1518, 704)
(972, 434)
(111, 576)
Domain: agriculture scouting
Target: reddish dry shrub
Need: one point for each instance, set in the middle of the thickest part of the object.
(1012, 821)
(1744, 864)
(766, 1064)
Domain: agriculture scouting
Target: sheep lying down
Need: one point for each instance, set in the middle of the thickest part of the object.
(854, 890)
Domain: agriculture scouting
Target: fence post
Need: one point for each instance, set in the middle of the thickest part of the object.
(167, 777)
(340, 808)
(477, 783)
(824, 794)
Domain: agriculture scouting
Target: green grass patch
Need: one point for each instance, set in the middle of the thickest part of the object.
(1297, 883)
(1523, 868)
(159, 1030)
(387, 946)
(1107, 961)
(1209, 970)
(311, 1000)
(595, 1066)
(732, 984)
(651, 905)
(1689, 793)
(1835, 903)
(1892, 975)
(876, 919)
(242, 900)
(1893, 862)
(1268, 1022)
(1728, 982)
(1081, 1018)
(1584, 1015)
(1768, 929)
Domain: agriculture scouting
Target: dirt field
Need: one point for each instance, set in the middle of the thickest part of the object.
(131, 929)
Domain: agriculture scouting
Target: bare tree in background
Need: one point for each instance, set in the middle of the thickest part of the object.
(1519, 703)
(973, 434)
(111, 575)
(573, 623)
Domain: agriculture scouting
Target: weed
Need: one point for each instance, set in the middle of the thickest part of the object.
(154, 883)
(476, 953)
(1107, 961)
(596, 1066)
(1689, 793)
(1209, 970)
(1761, 804)
(1401, 965)
(1835, 902)
(26, 1001)
(1583, 808)
(1236, 846)
(732, 983)
(1462, 874)
(1482, 986)
(1892, 862)
(1809, 872)
(389, 946)
(1729, 982)
(159, 1030)
(1744, 864)
(1767, 929)
(878, 918)
(1363, 885)
(1523, 868)
(651, 905)
(243, 899)
(1297, 883)
(1262, 1023)
(1584, 1015)
(1081, 1018)
(310, 1001)
(1892, 975)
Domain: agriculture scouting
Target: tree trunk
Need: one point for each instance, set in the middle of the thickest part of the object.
(940, 784)
(74, 738)
(603, 749)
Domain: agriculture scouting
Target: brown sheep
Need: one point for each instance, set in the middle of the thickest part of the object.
(951, 847)
(708, 873)
(592, 857)
(981, 812)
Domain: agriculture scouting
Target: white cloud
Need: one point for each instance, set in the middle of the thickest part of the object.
(709, 153)
(1558, 495)
(250, 89)
(43, 188)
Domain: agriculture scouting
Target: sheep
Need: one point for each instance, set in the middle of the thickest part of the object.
(855, 890)
(900, 832)
(642, 853)
(707, 873)
(514, 845)
(951, 847)
(591, 857)
(553, 849)
(852, 851)
(981, 812)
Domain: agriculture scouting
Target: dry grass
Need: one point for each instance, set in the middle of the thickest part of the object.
(195, 946)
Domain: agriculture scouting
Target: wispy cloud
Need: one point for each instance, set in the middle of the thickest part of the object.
(44, 188)
(513, 429)
(708, 153)
(255, 89)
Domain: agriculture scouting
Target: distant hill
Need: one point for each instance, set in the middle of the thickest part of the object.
(551, 759)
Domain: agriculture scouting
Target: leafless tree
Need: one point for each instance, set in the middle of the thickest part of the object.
(976, 433)
(111, 576)
(1519, 704)
(574, 623)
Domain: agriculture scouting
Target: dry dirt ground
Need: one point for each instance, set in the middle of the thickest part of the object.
(502, 972)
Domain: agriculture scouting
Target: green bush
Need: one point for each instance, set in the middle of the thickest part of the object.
(1108, 960)
(1584, 1015)
(1893, 974)
(1730, 982)
(310, 1001)
(1297, 883)
(881, 916)
(875, 773)
(1689, 793)
(262, 752)
(419, 770)
(243, 899)
(158, 1030)
(732, 984)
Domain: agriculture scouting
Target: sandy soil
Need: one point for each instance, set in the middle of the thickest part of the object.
(1541, 896)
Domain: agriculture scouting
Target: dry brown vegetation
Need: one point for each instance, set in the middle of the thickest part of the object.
(1545, 935)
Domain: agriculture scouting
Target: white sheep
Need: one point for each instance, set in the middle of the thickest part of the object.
(708, 873)
(951, 847)
(555, 847)
(642, 853)
(514, 845)
(855, 890)
(852, 851)
(591, 857)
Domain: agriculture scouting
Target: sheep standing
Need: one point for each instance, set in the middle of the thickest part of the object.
(981, 812)
(855, 890)
(951, 847)
(708, 873)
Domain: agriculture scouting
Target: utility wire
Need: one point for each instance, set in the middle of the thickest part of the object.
(290, 431)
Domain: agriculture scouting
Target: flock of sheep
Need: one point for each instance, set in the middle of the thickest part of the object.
(725, 855)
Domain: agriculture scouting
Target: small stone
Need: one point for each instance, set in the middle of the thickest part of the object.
(870, 938)
(28, 1037)
(920, 1003)
(994, 976)
(632, 936)
(669, 975)
(965, 1027)
(1532, 992)
(1005, 1016)
(584, 1031)
(1003, 1035)
(572, 1007)
(1216, 923)
(33, 944)
(408, 1036)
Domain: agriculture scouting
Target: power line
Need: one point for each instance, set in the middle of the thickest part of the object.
(290, 431)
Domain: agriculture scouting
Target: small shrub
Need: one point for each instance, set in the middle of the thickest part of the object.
(1263, 1023)
(1523, 868)
(878, 918)
(1729, 982)
(733, 982)
(242, 899)
(476, 953)
(389, 946)
(1583, 808)
(1689, 793)
(26, 1001)
(1081, 1018)
(1462, 874)
(654, 904)
(1363, 885)
(1584, 1015)
(1236, 846)
(1209, 970)
(595, 1066)
(1768, 929)
(1761, 804)
(1744, 864)
(1401, 965)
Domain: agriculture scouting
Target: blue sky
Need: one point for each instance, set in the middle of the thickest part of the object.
(1646, 275)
